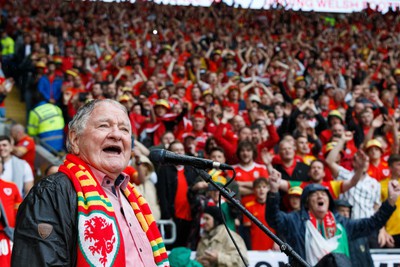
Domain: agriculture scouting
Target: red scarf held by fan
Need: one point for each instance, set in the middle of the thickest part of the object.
(99, 239)
(327, 227)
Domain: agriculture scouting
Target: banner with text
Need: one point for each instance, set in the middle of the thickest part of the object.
(337, 6)
(278, 259)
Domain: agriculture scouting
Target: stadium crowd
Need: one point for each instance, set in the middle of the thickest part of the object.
(304, 93)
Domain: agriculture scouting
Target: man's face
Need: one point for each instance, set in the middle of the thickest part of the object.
(111, 90)
(374, 153)
(5, 148)
(256, 136)
(238, 122)
(344, 211)
(394, 168)
(96, 90)
(261, 191)
(198, 124)
(318, 204)
(217, 156)
(302, 145)
(337, 130)
(295, 202)
(196, 93)
(105, 143)
(178, 148)
(246, 155)
(286, 151)
(245, 134)
(334, 120)
(317, 172)
(366, 118)
(167, 139)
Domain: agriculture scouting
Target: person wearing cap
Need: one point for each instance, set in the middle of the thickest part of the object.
(317, 229)
(365, 195)
(378, 168)
(127, 101)
(334, 118)
(208, 99)
(389, 236)
(258, 239)
(360, 255)
(317, 174)
(362, 124)
(294, 196)
(215, 248)
(156, 123)
(49, 85)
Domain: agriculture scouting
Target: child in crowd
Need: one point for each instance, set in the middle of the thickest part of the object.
(259, 240)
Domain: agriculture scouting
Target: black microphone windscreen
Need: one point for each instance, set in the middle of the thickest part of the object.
(157, 155)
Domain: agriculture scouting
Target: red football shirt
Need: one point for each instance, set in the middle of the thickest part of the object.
(259, 240)
(249, 175)
(182, 207)
(10, 198)
(29, 144)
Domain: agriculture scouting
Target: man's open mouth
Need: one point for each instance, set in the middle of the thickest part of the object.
(112, 149)
(320, 203)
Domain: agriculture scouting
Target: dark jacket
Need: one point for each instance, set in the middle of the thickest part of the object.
(300, 172)
(293, 225)
(166, 187)
(51, 209)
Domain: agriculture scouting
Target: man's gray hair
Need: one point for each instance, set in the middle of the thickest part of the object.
(79, 121)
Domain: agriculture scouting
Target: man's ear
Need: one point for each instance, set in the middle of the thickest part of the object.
(73, 140)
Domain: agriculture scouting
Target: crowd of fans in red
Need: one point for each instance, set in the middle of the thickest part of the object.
(265, 87)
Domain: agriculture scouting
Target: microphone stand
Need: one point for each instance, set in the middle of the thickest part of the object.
(285, 248)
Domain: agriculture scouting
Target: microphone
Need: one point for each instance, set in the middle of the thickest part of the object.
(163, 156)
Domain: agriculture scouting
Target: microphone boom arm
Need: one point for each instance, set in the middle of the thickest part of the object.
(285, 248)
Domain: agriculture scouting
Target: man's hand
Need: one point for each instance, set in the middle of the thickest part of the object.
(210, 258)
(361, 160)
(274, 180)
(377, 122)
(347, 136)
(228, 113)
(393, 192)
(384, 239)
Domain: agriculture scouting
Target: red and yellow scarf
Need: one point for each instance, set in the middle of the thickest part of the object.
(328, 226)
(99, 240)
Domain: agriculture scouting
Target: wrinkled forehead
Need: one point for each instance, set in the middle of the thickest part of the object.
(318, 193)
(110, 111)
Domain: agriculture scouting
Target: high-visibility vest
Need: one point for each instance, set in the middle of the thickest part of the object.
(7, 46)
(46, 121)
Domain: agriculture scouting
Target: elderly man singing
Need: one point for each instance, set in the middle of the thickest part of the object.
(88, 214)
(317, 230)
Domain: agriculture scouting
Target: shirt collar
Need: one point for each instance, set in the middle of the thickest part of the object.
(121, 181)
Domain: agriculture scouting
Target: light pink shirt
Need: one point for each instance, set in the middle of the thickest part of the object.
(138, 251)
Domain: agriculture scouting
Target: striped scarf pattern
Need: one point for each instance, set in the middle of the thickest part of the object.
(99, 241)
